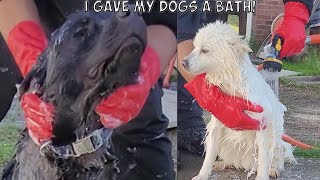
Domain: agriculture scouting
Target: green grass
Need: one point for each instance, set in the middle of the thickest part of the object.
(9, 134)
(286, 82)
(254, 45)
(233, 21)
(310, 153)
(309, 65)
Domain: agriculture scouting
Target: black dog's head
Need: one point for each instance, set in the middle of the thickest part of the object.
(89, 57)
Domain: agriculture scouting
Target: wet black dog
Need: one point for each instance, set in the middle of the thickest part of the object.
(89, 57)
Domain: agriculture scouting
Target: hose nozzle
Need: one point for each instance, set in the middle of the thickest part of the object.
(272, 62)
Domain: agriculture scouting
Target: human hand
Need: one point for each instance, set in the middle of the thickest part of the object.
(126, 102)
(292, 28)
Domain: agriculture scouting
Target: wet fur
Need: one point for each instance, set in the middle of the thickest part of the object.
(88, 58)
(223, 56)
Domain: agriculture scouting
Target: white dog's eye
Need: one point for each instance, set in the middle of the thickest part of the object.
(204, 51)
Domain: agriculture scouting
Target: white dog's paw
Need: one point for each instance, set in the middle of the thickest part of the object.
(274, 173)
(219, 165)
(201, 177)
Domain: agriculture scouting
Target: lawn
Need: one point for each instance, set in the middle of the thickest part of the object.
(310, 153)
(8, 139)
(309, 65)
(233, 21)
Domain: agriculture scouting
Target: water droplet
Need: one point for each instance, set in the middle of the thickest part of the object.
(132, 150)
(3, 69)
(131, 166)
(161, 175)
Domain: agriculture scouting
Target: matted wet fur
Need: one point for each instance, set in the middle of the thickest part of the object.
(89, 57)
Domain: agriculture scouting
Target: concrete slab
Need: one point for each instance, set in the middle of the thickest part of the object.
(169, 106)
(284, 73)
(305, 169)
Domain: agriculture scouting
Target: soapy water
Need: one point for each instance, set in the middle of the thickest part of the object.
(272, 78)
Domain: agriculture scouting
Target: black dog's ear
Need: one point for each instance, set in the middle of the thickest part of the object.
(35, 78)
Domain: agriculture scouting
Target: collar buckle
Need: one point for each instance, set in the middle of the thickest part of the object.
(82, 146)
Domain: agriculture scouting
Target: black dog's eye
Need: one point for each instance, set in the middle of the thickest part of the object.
(135, 51)
(80, 32)
(204, 51)
(124, 14)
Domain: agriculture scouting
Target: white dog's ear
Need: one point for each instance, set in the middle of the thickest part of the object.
(242, 46)
(245, 47)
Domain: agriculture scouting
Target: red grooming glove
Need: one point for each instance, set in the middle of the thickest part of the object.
(229, 110)
(26, 41)
(292, 28)
(126, 102)
(39, 117)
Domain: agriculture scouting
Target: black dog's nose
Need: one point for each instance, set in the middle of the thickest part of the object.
(185, 63)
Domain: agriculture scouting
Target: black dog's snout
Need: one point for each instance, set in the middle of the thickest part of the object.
(185, 63)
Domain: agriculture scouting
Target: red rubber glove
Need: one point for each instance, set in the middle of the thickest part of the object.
(229, 110)
(39, 117)
(26, 41)
(292, 28)
(126, 102)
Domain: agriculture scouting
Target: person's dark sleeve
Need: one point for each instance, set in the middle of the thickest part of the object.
(308, 3)
(189, 22)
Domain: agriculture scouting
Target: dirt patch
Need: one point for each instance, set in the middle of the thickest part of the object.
(302, 120)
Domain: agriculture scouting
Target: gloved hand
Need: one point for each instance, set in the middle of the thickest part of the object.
(229, 110)
(39, 117)
(292, 28)
(27, 40)
(126, 102)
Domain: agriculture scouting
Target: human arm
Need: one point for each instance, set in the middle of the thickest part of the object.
(13, 12)
(229, 110)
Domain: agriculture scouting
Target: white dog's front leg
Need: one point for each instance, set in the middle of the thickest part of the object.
(266, 144)
(211, 144)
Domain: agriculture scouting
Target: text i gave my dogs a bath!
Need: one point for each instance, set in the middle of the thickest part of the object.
(171, 6)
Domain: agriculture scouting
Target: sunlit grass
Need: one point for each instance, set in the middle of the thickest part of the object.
(308, 65)
(9, 133)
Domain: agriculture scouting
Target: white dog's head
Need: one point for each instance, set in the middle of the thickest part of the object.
(217, 49)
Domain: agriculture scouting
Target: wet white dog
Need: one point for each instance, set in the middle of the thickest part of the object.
(222, 54)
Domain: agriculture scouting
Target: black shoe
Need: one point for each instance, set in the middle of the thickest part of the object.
(191, 139)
